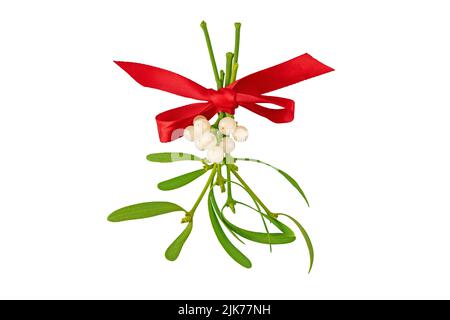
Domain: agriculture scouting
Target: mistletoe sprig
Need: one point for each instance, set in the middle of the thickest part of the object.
(216, 213)
(219, 139)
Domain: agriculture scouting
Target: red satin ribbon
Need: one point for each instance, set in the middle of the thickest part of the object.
(246, 92)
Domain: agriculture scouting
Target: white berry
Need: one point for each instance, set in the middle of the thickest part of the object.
(189, 133)
(199, 117)
(215, 154)
(201, 125)
(207, 139)
(198, 145)
(227, 144)
(240, 134)
(227, 125)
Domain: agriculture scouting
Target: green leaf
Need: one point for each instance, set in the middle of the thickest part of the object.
(180, 181)
(307, 240)
(231, 231)
(294, 183)
(254, 200)
(171, 157)
(287, 235)
(267, 230)
(173, 251)
(284, 174)
(143, 210)
(234, 253)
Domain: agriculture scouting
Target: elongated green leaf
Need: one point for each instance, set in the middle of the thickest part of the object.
(259, 210)
(231, 231)
(242, 187)
(267, 232)
(180, 181)
(262, 217)
(307, 240)
(295, 184)
(171, 157)
(284, 174)
(286, 236)
(233, 252)
(173, 251)
(143, 210)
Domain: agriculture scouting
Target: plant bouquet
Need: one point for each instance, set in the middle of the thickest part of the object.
(218, 139)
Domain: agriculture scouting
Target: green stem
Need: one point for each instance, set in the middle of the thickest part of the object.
(200, 197)
(220, 181)
(229, 229)
(220, 116)
(229, 63)
(229, 182)
(230, 201)
(222, 78)
(250, 191)
(234, 72)
(237, 39)
(211, 54)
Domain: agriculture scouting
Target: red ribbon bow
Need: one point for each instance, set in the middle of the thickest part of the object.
(246, 92)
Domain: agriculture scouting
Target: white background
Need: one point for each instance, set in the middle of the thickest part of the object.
(369, 145)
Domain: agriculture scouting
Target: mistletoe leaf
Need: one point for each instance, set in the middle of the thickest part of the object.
(284, 174)
(266, 229)
(178, 182)
(231, 231)
(143, 210)
(307, 239)
(173, 251)
(287, 235)
(171, 157)
(295, 184)
(243, 188)
(232, 251)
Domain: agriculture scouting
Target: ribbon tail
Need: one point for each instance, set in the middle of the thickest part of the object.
(161, 79)
(171, 123)
(282, 75)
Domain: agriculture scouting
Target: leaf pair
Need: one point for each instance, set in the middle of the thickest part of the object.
(215, 214)
(286, 235)
(258, 236)
(152, 209)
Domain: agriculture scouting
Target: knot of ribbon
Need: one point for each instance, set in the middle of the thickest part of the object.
(246, 92)
(224, 99)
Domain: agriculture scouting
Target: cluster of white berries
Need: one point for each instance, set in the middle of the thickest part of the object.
(218, 142)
